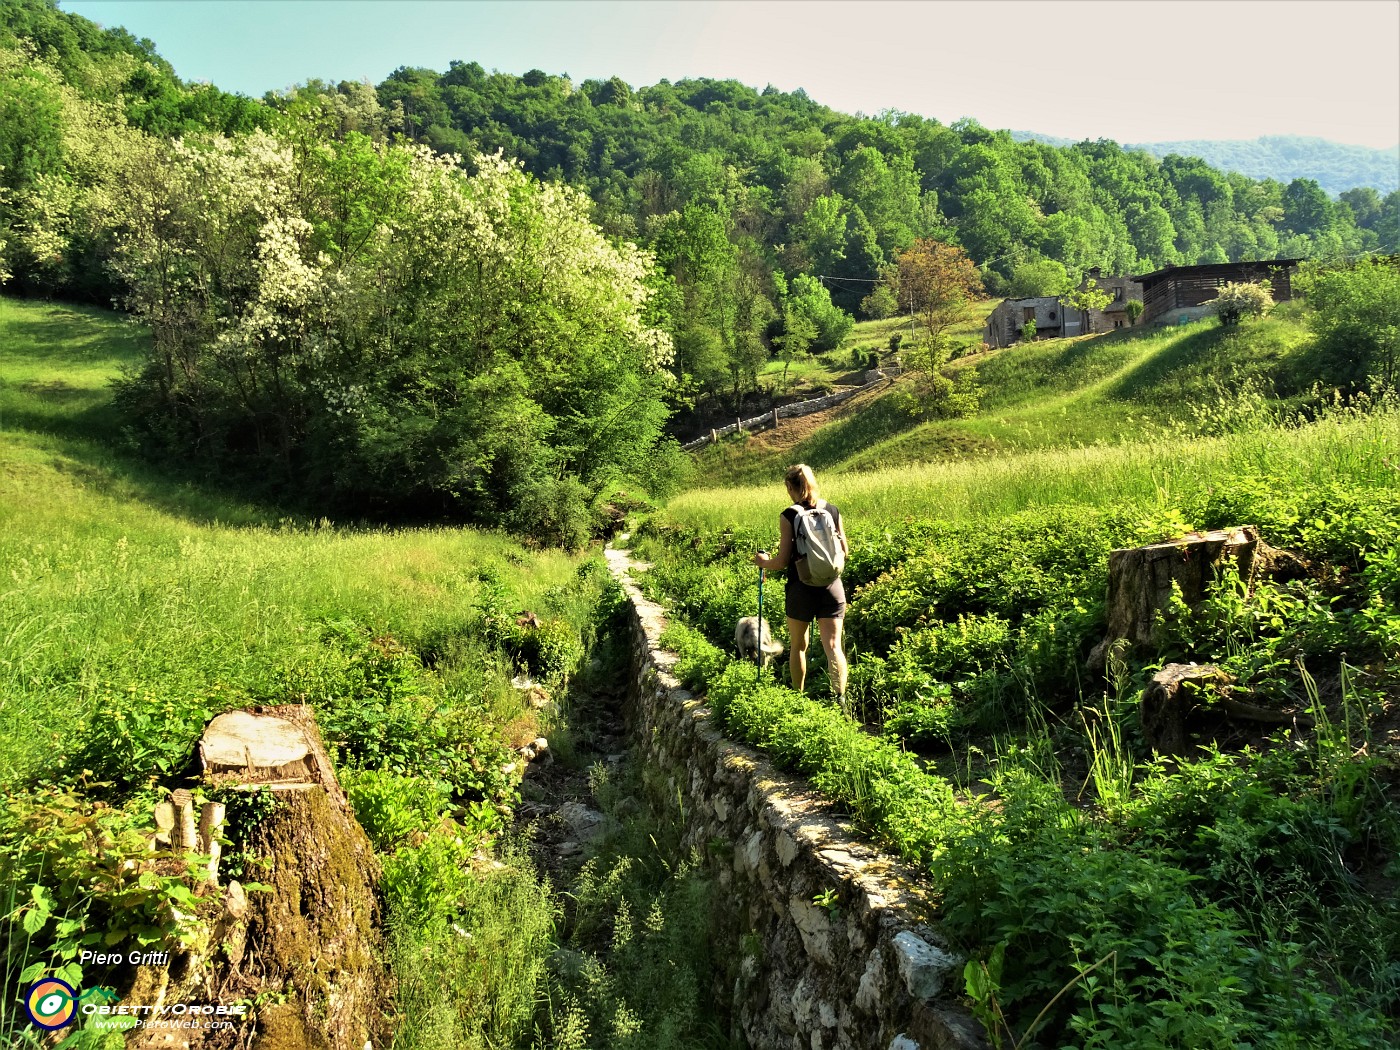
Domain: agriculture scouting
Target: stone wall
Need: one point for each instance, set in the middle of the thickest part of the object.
(827, 944)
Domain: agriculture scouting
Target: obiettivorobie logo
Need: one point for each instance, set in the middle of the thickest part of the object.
(53, 1004)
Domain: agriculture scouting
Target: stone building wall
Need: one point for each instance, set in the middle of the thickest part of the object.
(826, 943)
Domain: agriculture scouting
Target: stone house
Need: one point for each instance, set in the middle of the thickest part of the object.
(1005, 322)
(1179, 294)
(1114, 315)
(1053, 319)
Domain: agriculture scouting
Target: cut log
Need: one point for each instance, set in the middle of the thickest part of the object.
(211, 819)
(182, 833)
(255, 748)
(1141, 579)
(1168, 700)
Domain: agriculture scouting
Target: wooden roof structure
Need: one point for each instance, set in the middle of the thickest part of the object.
(1187, 287)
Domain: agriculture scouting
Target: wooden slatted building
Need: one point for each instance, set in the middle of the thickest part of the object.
(1179, 293)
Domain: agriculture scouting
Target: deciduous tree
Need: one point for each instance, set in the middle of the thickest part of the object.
(1356, 318)
(937, 282)
(1088, 299)
(371, 325)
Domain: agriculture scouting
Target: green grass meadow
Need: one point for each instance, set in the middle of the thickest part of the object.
(114, 579)
(1112, 388)
(136, 603)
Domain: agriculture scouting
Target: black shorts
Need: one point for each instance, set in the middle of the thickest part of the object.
(806, 603)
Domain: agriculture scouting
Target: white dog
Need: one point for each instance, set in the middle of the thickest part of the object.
(751, 646)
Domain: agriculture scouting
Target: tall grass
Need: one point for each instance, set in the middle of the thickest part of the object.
(1361, 448)
(115, 580)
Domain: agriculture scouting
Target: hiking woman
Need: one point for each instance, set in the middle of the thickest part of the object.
(807, 602)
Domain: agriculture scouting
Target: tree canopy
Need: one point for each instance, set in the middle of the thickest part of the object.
(314, 326)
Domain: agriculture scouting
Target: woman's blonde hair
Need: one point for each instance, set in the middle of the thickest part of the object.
(801, 484)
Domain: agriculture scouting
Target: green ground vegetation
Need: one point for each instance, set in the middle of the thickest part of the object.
(134, 605)
(1239, 895)
(1057, 393)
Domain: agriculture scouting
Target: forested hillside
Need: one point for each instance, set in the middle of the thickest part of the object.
(1337, 167)
(728, 185)
(281, 251)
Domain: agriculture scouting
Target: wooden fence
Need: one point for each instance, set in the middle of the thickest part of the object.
(873, 378)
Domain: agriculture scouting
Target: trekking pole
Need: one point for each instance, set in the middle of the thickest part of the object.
(760, 609)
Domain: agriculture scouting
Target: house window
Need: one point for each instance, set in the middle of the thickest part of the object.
(1052, 315)
(1118, 323)
(1028, 313)
(1118, 294)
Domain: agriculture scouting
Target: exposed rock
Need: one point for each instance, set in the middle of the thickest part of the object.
(814, 924)
(534, 749)
(868, 991)
(586, 824)
(786, 847)
(923, 967)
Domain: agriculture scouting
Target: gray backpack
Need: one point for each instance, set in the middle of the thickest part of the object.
(820, 556)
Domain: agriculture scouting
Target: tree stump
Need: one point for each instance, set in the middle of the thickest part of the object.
(1164, 703)
(1140, 581)
(311, 943)
(1167, 703)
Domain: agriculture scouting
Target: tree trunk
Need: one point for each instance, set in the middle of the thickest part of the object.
(309, 946)
(1141, 580)
(1163, 706)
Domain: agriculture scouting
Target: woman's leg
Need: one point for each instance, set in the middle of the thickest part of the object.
(830, 629)
(797, 652)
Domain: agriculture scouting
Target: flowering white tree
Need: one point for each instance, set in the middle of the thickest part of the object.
(383, 326)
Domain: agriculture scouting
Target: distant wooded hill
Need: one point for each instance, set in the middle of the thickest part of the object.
(1335, 166)
(761, 209)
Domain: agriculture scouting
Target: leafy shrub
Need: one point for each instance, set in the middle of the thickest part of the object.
(1356, 318)
(549, 648)
(1031, 875)
(377, 722)
(1238, 299)
(393, 808)
(82, 875)
(885, 788)
(134, 735)
(553, 511)
(700, 662)
(467, 949)
(424, 885)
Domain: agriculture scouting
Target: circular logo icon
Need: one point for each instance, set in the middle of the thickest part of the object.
(50, 1003)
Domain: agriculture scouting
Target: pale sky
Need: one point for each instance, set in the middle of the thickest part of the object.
(1130, 70)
